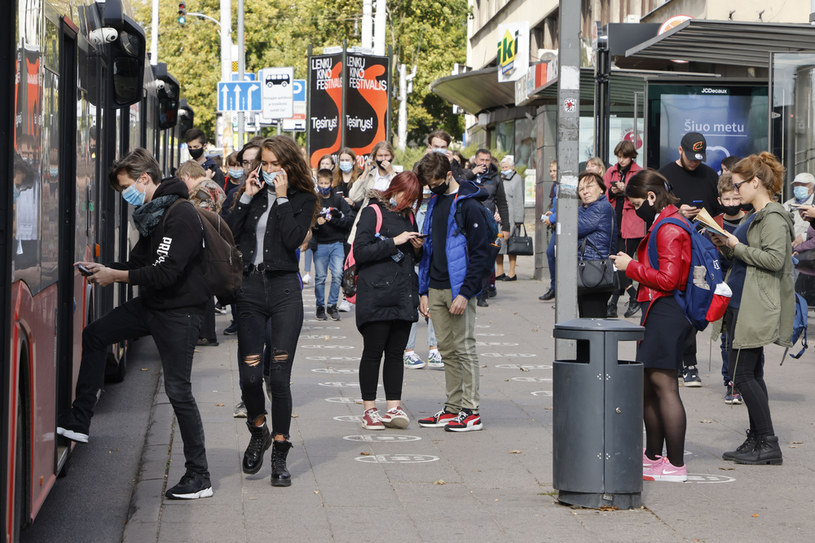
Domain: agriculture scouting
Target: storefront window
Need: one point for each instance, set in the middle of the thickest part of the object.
(504, 137)
(525, 138)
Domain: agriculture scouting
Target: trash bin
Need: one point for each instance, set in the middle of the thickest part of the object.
(597, 399)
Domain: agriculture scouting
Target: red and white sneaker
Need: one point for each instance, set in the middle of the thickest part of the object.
(439, 420)
(663, 470)
(647, 462)
(395, 418)
(466, 421)
(371, 420)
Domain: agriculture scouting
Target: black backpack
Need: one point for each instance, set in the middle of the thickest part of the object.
(223, 262)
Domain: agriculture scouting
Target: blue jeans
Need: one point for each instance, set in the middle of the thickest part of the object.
(550, 256)
(328, 256)
(431, 336)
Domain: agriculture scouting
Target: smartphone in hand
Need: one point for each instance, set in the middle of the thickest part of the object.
(697, 203)
(259, 174)
(83, 270)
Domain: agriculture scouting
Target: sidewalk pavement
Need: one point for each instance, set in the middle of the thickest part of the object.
(424, 484)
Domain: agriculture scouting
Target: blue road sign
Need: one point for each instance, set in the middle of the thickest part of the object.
(299, 90)
(239, 96)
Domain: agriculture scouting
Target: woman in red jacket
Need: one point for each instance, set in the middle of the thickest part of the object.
(665, 325)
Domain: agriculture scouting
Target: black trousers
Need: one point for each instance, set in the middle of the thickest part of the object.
(390, 338)
(175, 333)
(269, 300)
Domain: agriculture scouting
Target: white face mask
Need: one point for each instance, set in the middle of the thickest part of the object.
(346, 166)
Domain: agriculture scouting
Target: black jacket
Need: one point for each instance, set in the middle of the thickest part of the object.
(167, 265)
(342, 218)
(386, 289)
(286, 228)
(496, 199)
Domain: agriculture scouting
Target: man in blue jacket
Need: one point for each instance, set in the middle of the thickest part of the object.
(455, 260)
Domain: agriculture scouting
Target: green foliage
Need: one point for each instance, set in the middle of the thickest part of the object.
(425, 32)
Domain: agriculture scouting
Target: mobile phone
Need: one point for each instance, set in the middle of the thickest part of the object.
(259, 174)
(423, 236)
(697, 203)
(83, 270)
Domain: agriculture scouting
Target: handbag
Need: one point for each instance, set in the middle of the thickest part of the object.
(595, 275)
(519, 244)
(806, 259)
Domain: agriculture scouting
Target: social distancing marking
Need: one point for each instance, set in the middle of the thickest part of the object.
(329, 346)
(531, 379)
(378, 438)
(542, 393)
(340, 371)
(706, 478)
(397, 458)
(524, 366)
(322, 337)
(343, 399)
(348, 418)
(334, 359)
(337, 384)
(490, 334)
(496, 344)
(320, 327)
(507, 355)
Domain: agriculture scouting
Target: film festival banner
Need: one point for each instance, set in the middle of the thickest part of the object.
(361, 119)
(325, 105)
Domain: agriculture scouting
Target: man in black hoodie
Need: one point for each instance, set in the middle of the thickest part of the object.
(166, 264)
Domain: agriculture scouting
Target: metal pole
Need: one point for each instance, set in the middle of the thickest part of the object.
(602, 98)
(154, 35)
(241, 68)
(568, 103)
(367, 24)
(380, 24)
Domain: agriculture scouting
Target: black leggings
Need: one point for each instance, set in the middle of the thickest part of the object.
(389, 337)
(664, 415)
(747, 368)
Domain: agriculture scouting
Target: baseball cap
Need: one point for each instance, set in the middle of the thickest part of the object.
(804, 178)
(694, 145)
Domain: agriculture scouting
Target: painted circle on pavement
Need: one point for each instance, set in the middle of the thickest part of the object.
(342, 371)
(397, 458)
(348, 418)
(370, 438)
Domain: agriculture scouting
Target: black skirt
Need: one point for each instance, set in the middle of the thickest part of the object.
(665, 330)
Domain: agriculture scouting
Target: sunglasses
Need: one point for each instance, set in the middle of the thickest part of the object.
(739, 184)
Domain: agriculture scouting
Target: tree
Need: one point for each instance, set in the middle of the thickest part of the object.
(422, 32)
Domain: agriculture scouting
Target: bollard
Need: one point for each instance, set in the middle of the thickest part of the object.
(597, 400)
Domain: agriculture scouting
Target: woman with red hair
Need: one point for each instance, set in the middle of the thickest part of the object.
(385, 248)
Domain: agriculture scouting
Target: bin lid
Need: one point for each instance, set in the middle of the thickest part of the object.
(600, 325)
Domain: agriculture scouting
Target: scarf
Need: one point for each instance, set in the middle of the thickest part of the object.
(148, 216)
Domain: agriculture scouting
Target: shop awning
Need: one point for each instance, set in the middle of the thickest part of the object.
(475, 91)
(726, 42)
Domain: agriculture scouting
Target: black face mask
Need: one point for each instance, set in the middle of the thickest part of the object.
(647, 213)
(379, 164)
(196, 153)
(440, 189)
(732, 210)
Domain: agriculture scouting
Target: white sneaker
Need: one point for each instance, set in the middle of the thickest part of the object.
(434, 361)
(395, 418)
(344, 306)
(306, 279)
(412, 361)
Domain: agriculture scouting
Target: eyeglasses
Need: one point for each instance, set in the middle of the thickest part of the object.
(739, 184)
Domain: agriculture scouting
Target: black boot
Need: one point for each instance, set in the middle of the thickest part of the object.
(748, 445)
(765, 451)
(611, 309)
(260, 441)
(280, 474)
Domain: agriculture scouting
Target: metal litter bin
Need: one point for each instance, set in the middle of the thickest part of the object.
(597, 399)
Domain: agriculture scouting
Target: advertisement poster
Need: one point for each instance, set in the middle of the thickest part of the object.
(733, 120)
(366, 102)
(325, 105)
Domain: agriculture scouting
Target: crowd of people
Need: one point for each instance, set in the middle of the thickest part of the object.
(421, 243)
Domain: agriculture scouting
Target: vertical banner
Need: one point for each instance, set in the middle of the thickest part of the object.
(367, 101)
(325, 82)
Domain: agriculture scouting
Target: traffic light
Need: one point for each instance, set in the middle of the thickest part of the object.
(182, 13)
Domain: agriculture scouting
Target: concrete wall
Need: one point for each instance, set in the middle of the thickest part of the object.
(789, 11)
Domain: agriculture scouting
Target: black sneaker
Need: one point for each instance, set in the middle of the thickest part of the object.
(633, 308)
(232, 329)
(611, 311)
(549, 295)
(492, 292)
(69, 428)
(690, 376)
(321, 314)
(482, 302)
(191, 487)
(205, 342)
(333, 313)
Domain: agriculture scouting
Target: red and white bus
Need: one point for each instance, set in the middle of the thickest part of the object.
(75, 93)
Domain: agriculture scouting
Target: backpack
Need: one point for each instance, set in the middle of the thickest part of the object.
(350, 275)
(223, 262)
(799, 327)
(706, 294)
(488, 219)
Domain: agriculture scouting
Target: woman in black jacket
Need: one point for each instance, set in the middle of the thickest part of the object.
(269, 222)
(387, 293)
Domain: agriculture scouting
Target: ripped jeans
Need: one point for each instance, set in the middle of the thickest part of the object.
(276, 299)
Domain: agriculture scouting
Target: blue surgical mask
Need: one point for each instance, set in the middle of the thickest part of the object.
(800, 193)
(346, 166)
(132, 196)
(268, 178)
(393, 202)
(439, 150)
(325, 191)
(236, 173)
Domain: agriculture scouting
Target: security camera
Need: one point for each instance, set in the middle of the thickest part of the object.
(103, 35)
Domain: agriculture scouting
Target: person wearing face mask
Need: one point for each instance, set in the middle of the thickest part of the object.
(387, 294)
(197, 145)
(514, 190)
(329, 233)
(630, 228)
(346, 174)
(270, 221)
(803, 187)
(377, 175)
(234, 172)
(666, 326)
(167, 265)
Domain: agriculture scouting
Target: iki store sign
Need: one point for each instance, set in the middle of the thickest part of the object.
(513, 51)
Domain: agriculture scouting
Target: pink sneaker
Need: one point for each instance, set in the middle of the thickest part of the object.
(663, 470)
(371, 420)
(647, 462)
